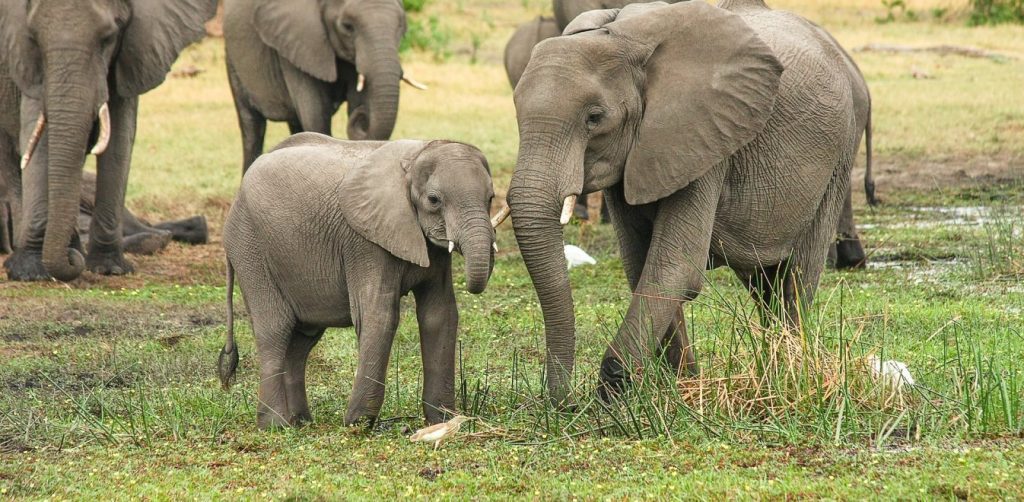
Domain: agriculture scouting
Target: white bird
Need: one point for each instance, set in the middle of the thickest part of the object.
(895, 373)
(439, 432)
(575, 256)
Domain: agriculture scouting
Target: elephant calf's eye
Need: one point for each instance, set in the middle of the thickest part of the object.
(434, 200)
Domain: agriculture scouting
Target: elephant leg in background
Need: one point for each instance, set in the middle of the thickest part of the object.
(106, 254)
(847, 251)
(299, 346)
(311, 99)
(10, 194)
(252, 123)
(634, 230)
(438, 319)
(139, 238)
(673, 273)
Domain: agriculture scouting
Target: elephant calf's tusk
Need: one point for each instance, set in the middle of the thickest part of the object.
(414, 83)
(495, 246)
(502, 215)
(33, 140)
(451, 246)
(104, 139)
(360, 83)
(567, 207)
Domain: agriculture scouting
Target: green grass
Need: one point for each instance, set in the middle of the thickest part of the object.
(108, 387)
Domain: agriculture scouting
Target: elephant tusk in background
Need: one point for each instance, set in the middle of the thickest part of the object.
(451, 246)
(567, 206)
(33, 140)
(495, 246)
(360, 83)
(502, 215)
(411, 81)
(104, 139)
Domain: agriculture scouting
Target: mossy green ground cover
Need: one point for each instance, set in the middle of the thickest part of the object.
(108, 387)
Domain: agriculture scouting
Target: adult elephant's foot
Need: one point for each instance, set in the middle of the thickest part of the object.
(105, 262)
(267, 419)
(146, 243)
(26, 265)
(190, 230)
(614, 379)
(849, 253)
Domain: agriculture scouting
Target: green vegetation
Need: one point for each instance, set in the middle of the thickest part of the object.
(108, 385)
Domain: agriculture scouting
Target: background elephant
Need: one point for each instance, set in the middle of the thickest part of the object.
(297, 61)
(519, 47)
(717, 138)
(80, 67)
(333, 233)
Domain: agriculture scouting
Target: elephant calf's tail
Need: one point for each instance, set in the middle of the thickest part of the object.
(869, 179)
(227, 363)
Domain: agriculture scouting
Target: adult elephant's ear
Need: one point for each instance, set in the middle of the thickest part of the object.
(155, 35)
(374, 198)
(295, 29)
(710, 87)
(17, 51)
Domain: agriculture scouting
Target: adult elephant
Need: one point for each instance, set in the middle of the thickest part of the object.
(80, 67)
(519, 47)
(297, 61)
(718, 138)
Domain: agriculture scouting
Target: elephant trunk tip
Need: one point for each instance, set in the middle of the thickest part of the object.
(68, 269)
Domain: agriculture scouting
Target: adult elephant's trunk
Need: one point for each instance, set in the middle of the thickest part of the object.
(475, 244)
(536, 193)
(379, 65)
(70, 112)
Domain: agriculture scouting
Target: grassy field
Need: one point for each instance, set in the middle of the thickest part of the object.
(108, 387)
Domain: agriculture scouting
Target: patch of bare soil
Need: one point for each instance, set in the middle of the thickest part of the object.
(895, 174)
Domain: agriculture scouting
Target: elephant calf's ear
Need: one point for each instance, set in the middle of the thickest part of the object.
(710, 88)
(374, 198)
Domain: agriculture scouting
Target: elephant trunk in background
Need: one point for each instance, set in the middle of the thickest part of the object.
(377, 59)
(70, 107)
(536, 196)
(475, 244)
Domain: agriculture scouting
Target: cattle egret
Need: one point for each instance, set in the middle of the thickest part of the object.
(895, 373)
(575, 256)
(439, 432)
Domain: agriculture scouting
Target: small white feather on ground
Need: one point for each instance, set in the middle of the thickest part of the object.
(575, 256)
(895, 373)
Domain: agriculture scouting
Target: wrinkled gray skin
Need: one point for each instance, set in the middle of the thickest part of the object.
(708, 154)
(567, 10)
(330, 233)
(519, 47)
(67, 59)
(297, 61)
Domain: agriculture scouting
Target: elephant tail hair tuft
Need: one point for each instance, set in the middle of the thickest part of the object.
(227, 363)
(869, 177)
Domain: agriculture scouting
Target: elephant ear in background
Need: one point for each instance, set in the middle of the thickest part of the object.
(295, 29)
(17, 50)
(156, 34)
(375, 202)
(710, 88)
(597, 19)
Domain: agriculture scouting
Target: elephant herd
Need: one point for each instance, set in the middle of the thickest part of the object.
(718, 136)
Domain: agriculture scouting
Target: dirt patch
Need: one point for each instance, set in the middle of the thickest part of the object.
(431, 473)
(894, 174)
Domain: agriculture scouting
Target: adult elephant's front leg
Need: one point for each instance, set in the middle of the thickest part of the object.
(106, 253)
(673, 273)
(634, 228)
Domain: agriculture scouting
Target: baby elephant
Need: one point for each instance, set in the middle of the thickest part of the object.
(330, 233)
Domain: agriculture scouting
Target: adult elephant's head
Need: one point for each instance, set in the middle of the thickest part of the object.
(649, 97)
(313, 34)
(73, 57)
(408, 196)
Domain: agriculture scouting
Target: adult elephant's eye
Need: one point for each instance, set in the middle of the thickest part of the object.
(347, 26)
(594, 119)
(433, 199)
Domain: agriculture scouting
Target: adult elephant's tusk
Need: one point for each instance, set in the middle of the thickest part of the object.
(567, 207)
(409, 80)
(495, 246)
(502, 215)
(104, 139)
(33, 140)
(451, 246)
(360, 83)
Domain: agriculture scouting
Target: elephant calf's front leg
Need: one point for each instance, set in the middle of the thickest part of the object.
(438, 319)
(376, 322)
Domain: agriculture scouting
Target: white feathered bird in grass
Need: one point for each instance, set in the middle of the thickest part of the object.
(576, 256)
(894, 373)
(439, 432)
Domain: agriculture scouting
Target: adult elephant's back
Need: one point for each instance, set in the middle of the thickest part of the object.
(266, 89)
